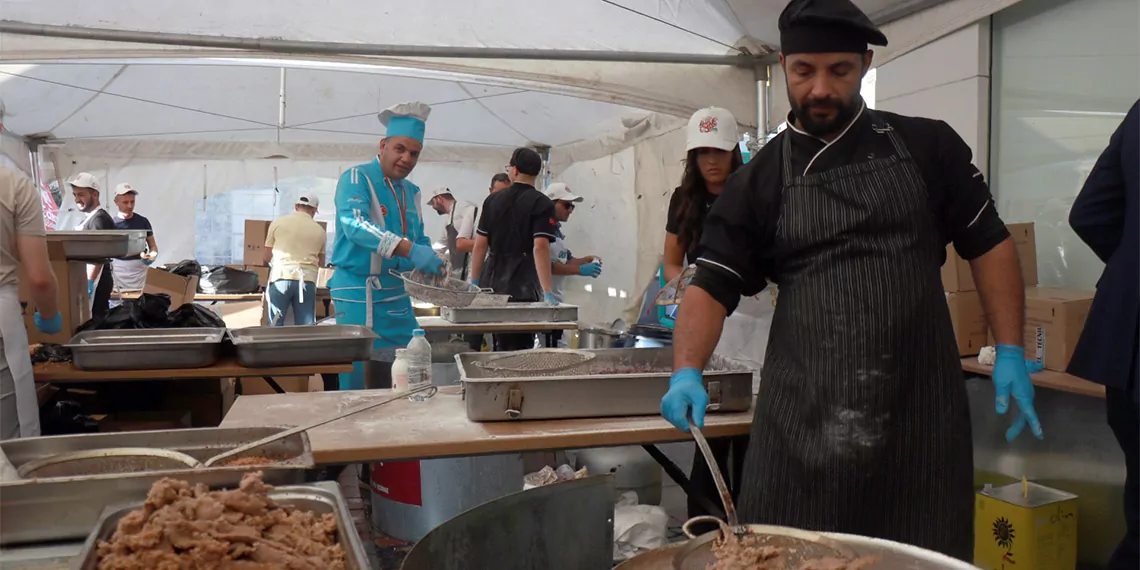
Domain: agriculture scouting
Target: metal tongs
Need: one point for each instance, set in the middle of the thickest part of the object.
(733, 524)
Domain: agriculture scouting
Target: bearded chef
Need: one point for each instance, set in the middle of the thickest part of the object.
(379, 230)
(862, 424)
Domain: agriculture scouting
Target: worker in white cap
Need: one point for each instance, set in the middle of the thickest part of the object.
(130, 274)
(379, 230)
(85, 191)
(22, 246)
(563, 263)
(293, 249)
(458, 237)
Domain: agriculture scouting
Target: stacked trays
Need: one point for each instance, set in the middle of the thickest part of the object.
(146, 349)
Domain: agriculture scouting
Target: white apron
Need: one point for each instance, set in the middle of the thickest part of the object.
(15, 339)
(129, 274)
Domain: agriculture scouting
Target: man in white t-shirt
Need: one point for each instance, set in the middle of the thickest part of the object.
(293, 248)
(458, 235)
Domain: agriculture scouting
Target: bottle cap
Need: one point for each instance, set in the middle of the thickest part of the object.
(418, 332)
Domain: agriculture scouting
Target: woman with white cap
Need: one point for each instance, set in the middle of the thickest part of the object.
(713, 153)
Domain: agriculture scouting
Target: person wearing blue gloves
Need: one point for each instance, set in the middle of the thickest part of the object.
(379, 230)
(23, 246)
(512, 243)
(862, 423)
(563, 263)
(1106, 216)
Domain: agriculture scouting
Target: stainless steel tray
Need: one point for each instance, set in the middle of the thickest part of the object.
(323, 497)
(94, 245)
(262, 347)
(617, 382)
(66, 508)
(146, 349)
(511, 313)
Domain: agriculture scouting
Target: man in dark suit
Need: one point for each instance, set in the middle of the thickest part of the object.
(1106, 216)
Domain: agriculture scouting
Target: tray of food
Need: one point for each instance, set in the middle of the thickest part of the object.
(263, 347)
(43, 509)
(146, 349)
(511, 313)
(255, 525)
(616, 382)
(94, 245)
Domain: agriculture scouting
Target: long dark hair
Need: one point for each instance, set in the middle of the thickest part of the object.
(694, 195)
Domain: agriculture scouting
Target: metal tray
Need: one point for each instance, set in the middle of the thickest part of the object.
(323, 497)
(66, 508)
(95, 245)
(146, 349)
(264, 347)
(511, 313)
(617, 382)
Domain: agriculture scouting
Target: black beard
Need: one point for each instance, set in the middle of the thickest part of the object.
(845, 112)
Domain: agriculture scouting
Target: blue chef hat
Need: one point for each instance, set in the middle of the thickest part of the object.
(406, 120)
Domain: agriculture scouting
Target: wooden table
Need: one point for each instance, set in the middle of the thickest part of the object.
(439, 427)
(438, 324)
(215, 298)
(1045, 379)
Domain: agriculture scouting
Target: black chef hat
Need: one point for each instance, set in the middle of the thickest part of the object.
(527, 161)
(826, 26)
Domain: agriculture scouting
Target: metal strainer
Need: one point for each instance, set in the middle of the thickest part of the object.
(537, 361)
(439, 290)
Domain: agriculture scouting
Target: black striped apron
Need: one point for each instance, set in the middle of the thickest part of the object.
(862, 424)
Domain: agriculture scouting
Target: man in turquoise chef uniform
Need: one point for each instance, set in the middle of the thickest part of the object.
(379, 230)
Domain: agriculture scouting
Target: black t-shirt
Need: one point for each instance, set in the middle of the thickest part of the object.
(514, 217)
(100, 221)
(738, 249)
(135, 222)
(673, 221)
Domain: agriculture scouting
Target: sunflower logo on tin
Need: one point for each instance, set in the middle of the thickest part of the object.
(1004, 533)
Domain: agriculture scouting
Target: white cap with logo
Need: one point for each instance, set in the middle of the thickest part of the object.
(125, 188)
(84, 180)
(438, 191)
(560, 192)
(711, 127)
(308, 199)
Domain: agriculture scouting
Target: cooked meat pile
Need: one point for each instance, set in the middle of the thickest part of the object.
(734, 553)
(247, 461)
(192, 528)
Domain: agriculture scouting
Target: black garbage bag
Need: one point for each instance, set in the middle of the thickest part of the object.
(193, 316)
(186, 268)
(222, 280)
(147, 312)
(51, 353)
(65, 417)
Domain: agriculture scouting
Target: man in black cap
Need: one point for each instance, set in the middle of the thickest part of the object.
(517, 227)
(862, 424)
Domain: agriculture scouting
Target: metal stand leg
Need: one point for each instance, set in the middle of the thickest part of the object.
(273, 384)
(332, 382)
(679, 477)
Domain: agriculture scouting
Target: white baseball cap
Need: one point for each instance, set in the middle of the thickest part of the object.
(308, 199)
(560, 192)
(125, 188)
(711, 127)
(84, 180)
(438, 191)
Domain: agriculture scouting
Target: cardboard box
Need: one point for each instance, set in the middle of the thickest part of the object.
(969, 320)
(1030, 526)
(258, 386)
(255, 233)
(180, 289)
(1054, 319)
(71, 297)
(242, 314)
(956, 274)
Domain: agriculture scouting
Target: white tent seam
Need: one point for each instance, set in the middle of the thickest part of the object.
(96, 94)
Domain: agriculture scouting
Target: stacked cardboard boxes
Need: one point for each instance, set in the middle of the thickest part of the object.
(966, 311)
(254, 251)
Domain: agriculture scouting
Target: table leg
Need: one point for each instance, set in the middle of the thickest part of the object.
(332, 382)
(679, 477)
(273, 384)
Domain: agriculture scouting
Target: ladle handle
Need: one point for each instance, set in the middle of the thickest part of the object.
(721, 487)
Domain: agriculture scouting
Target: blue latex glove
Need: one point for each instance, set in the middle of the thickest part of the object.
(592, 269)
(90, 287)
(49, 326)
(425, 259)
(475, 282)
(549, 299)
(686, 397)
(147, 261)
(1011, 376)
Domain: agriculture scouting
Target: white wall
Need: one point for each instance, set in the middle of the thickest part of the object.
(947, 79)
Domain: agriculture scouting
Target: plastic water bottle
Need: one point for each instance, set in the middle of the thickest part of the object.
(419, 364)
(400, 371)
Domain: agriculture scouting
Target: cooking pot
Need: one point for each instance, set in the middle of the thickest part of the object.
(598, 338)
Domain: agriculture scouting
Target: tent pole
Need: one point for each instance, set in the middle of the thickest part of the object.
(281, 106)
(343, 48)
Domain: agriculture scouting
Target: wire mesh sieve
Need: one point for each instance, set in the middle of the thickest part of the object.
(537, 361)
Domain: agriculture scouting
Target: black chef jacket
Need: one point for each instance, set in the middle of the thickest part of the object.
(739, 250)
